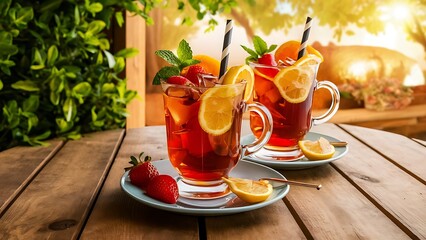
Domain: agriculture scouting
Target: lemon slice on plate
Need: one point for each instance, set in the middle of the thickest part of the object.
(250, 191)
(295, 82)
(317, 150)
(236, 74)
(216, 108)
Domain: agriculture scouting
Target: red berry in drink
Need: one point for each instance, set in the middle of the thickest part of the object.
(267, 59)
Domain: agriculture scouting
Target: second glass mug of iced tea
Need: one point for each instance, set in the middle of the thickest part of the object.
(292, 121)
(202, 156)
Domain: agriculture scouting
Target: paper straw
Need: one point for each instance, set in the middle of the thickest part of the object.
(304, 42)
(225, 48)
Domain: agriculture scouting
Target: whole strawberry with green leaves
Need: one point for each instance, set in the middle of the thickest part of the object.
(142, 171)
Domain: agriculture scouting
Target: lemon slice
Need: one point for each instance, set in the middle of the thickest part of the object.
(294, 83)
(216, 108)
(317, 150)
(236, 74)
(250, 191)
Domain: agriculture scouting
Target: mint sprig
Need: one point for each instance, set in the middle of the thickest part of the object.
(179, 62)
(260, 49)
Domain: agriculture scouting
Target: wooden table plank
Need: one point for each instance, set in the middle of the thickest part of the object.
(19, 165)
(400, 196)
(272, 222)
(412, 158)
(338, 210)
(127, 218)
(56, 203)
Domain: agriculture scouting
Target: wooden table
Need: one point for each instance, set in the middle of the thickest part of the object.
(72, 190)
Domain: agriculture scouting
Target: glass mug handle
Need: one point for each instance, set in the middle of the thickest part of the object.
(335, 100)
(266, 117)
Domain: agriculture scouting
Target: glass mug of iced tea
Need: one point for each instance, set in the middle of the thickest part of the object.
(203, 126)
(288, 95)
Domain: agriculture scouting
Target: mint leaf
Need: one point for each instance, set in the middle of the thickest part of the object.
(272, 48)
(184, 51)
(251, 52)
(169, 56)
(188, 62)
(260, 45)
(164, 73)
(260, 48)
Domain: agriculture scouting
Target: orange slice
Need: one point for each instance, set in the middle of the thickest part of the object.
(317, 150)
(250, 191)
(290, 49)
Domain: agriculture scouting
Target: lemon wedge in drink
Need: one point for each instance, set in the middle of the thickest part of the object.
(317, 150)
(250, 191)
(236, 74)
(216, 109)
(295, 82)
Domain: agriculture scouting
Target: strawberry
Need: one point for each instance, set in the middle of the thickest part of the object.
(192, 74)
(142, 171)
(180, 80)
(163, 188)
(267, 59)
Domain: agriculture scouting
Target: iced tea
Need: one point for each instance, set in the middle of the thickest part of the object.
(291, 120)
(197, 155)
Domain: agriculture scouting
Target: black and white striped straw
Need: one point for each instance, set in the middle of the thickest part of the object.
(225, 48)
(304, 42)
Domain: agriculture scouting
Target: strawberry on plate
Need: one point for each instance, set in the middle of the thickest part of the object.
(163, 188)
(142, 171)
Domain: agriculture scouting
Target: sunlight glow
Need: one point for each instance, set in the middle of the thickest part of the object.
(398, 12)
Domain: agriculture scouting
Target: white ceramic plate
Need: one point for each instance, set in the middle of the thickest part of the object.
(227, 205)
(302, 163)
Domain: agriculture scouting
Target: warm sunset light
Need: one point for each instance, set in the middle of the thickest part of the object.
(397, 12)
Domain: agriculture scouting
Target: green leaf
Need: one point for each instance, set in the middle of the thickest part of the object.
(184, 51)
(1, 85)
(23, 16)
(119, 18)
(260, 45)
(63, 125)
(110, 58)
(120, 64)
(4, 7)
(31, 103)
(26, 85)
(94, 7)
(165, 73)
(95, 27)
(108, 87)
(82, 89)
(127, 52)
(52, 55)
(250, 51)
(169, 56)
(8, 49)
(32, 120)
(76, 16)
(54, 98)
(70, 109)
(104, 44)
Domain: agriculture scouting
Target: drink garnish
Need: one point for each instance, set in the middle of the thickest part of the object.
(178, 62)
(317, 150)
(237, 74)
(261, 52)
(142, 170)
(251, 191)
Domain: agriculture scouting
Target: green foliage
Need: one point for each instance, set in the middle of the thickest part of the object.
(57, 76)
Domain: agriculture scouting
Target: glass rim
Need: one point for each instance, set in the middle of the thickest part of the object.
(166, 84)
(260, 65)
